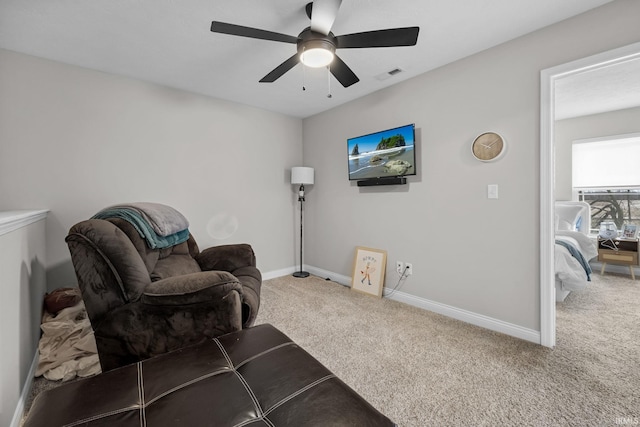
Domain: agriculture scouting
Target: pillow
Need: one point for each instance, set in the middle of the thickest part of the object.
(568, 216)
(61, 298)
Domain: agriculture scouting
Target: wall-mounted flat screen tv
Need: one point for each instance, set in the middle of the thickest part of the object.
(385, 154)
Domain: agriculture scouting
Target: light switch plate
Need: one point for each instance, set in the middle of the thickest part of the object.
(492, 191)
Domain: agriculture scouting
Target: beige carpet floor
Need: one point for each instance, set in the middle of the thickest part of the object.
(424, 369)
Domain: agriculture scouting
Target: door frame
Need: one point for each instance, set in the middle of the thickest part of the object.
(548, 78)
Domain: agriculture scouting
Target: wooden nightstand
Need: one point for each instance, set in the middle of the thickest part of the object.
(626, 253)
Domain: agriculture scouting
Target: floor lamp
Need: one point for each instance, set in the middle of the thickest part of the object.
(301, 175)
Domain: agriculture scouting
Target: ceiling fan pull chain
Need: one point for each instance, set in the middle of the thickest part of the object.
(329, 81)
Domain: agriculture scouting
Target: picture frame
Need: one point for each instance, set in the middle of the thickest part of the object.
(368, 271)
(629, 231)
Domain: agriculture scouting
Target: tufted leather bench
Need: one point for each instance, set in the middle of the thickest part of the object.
(254, 377)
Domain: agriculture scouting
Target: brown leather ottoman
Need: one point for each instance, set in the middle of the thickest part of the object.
(254, 377)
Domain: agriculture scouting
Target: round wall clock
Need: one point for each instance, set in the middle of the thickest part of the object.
(488, 147)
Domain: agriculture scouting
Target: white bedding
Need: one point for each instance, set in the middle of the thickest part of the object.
(569, 272)
(573, 224)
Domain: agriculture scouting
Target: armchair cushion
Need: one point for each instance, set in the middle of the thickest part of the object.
(175, 265)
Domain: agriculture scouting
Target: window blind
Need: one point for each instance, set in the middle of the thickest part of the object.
(606, 162)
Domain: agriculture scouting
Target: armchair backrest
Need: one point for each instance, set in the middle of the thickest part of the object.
(114, 265)
(109, 270)
(166, 262)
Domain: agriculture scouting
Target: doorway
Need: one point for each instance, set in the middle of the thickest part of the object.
(548, 79)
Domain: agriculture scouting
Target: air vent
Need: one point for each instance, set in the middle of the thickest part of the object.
(386, 75)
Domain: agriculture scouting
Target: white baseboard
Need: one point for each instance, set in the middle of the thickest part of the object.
(343, 280)
(278, 273)
(436, 307)
(24, 395)
(468, 316)
(338, 278)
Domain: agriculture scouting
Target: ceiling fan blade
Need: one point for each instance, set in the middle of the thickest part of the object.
(323, 14)
(342, 72)
(254, 33)
(379, 38)
(277, 72)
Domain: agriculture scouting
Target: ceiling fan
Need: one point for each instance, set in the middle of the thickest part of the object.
(316, 45)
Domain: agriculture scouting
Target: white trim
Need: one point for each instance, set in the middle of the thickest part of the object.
(343, 280)
(467, 316)
(547, 224)
(436, 307)
(13, 220)
(547, 171)
(607, 138)
(338, 278)
(279, 273)
(24, 395)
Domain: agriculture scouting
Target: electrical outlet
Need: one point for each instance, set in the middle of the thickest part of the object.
(409, 269)
(399, 266)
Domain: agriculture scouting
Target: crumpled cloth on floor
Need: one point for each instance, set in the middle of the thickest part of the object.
(67, 346)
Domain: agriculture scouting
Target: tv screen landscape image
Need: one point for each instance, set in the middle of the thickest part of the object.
(386, 154)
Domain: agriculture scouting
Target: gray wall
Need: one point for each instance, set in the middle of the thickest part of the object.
(468, 252)
(74, 141)
(592, 126)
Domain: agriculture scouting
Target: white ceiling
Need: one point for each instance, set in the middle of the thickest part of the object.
(169, 42)
(602, 89)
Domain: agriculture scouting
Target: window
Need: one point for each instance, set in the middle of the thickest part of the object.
(606, 174)
(617, 205)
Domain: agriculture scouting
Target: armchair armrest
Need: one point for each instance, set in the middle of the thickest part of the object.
(226, 257)
(239, 260)
(191, 288)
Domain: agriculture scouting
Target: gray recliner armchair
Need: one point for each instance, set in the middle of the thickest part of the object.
(143, 302)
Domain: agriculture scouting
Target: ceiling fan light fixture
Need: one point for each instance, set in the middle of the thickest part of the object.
(316, 58)
(317, 53)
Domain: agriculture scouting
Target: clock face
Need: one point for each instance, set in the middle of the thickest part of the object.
(488, 147)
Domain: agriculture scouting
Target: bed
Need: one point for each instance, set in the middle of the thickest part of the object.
(573, 247)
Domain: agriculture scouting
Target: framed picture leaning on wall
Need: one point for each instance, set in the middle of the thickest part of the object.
(368, 271)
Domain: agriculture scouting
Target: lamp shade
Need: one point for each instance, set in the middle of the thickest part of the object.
(301, 175)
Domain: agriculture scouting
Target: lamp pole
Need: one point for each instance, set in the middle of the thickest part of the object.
(301, 175)
(301, 200)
